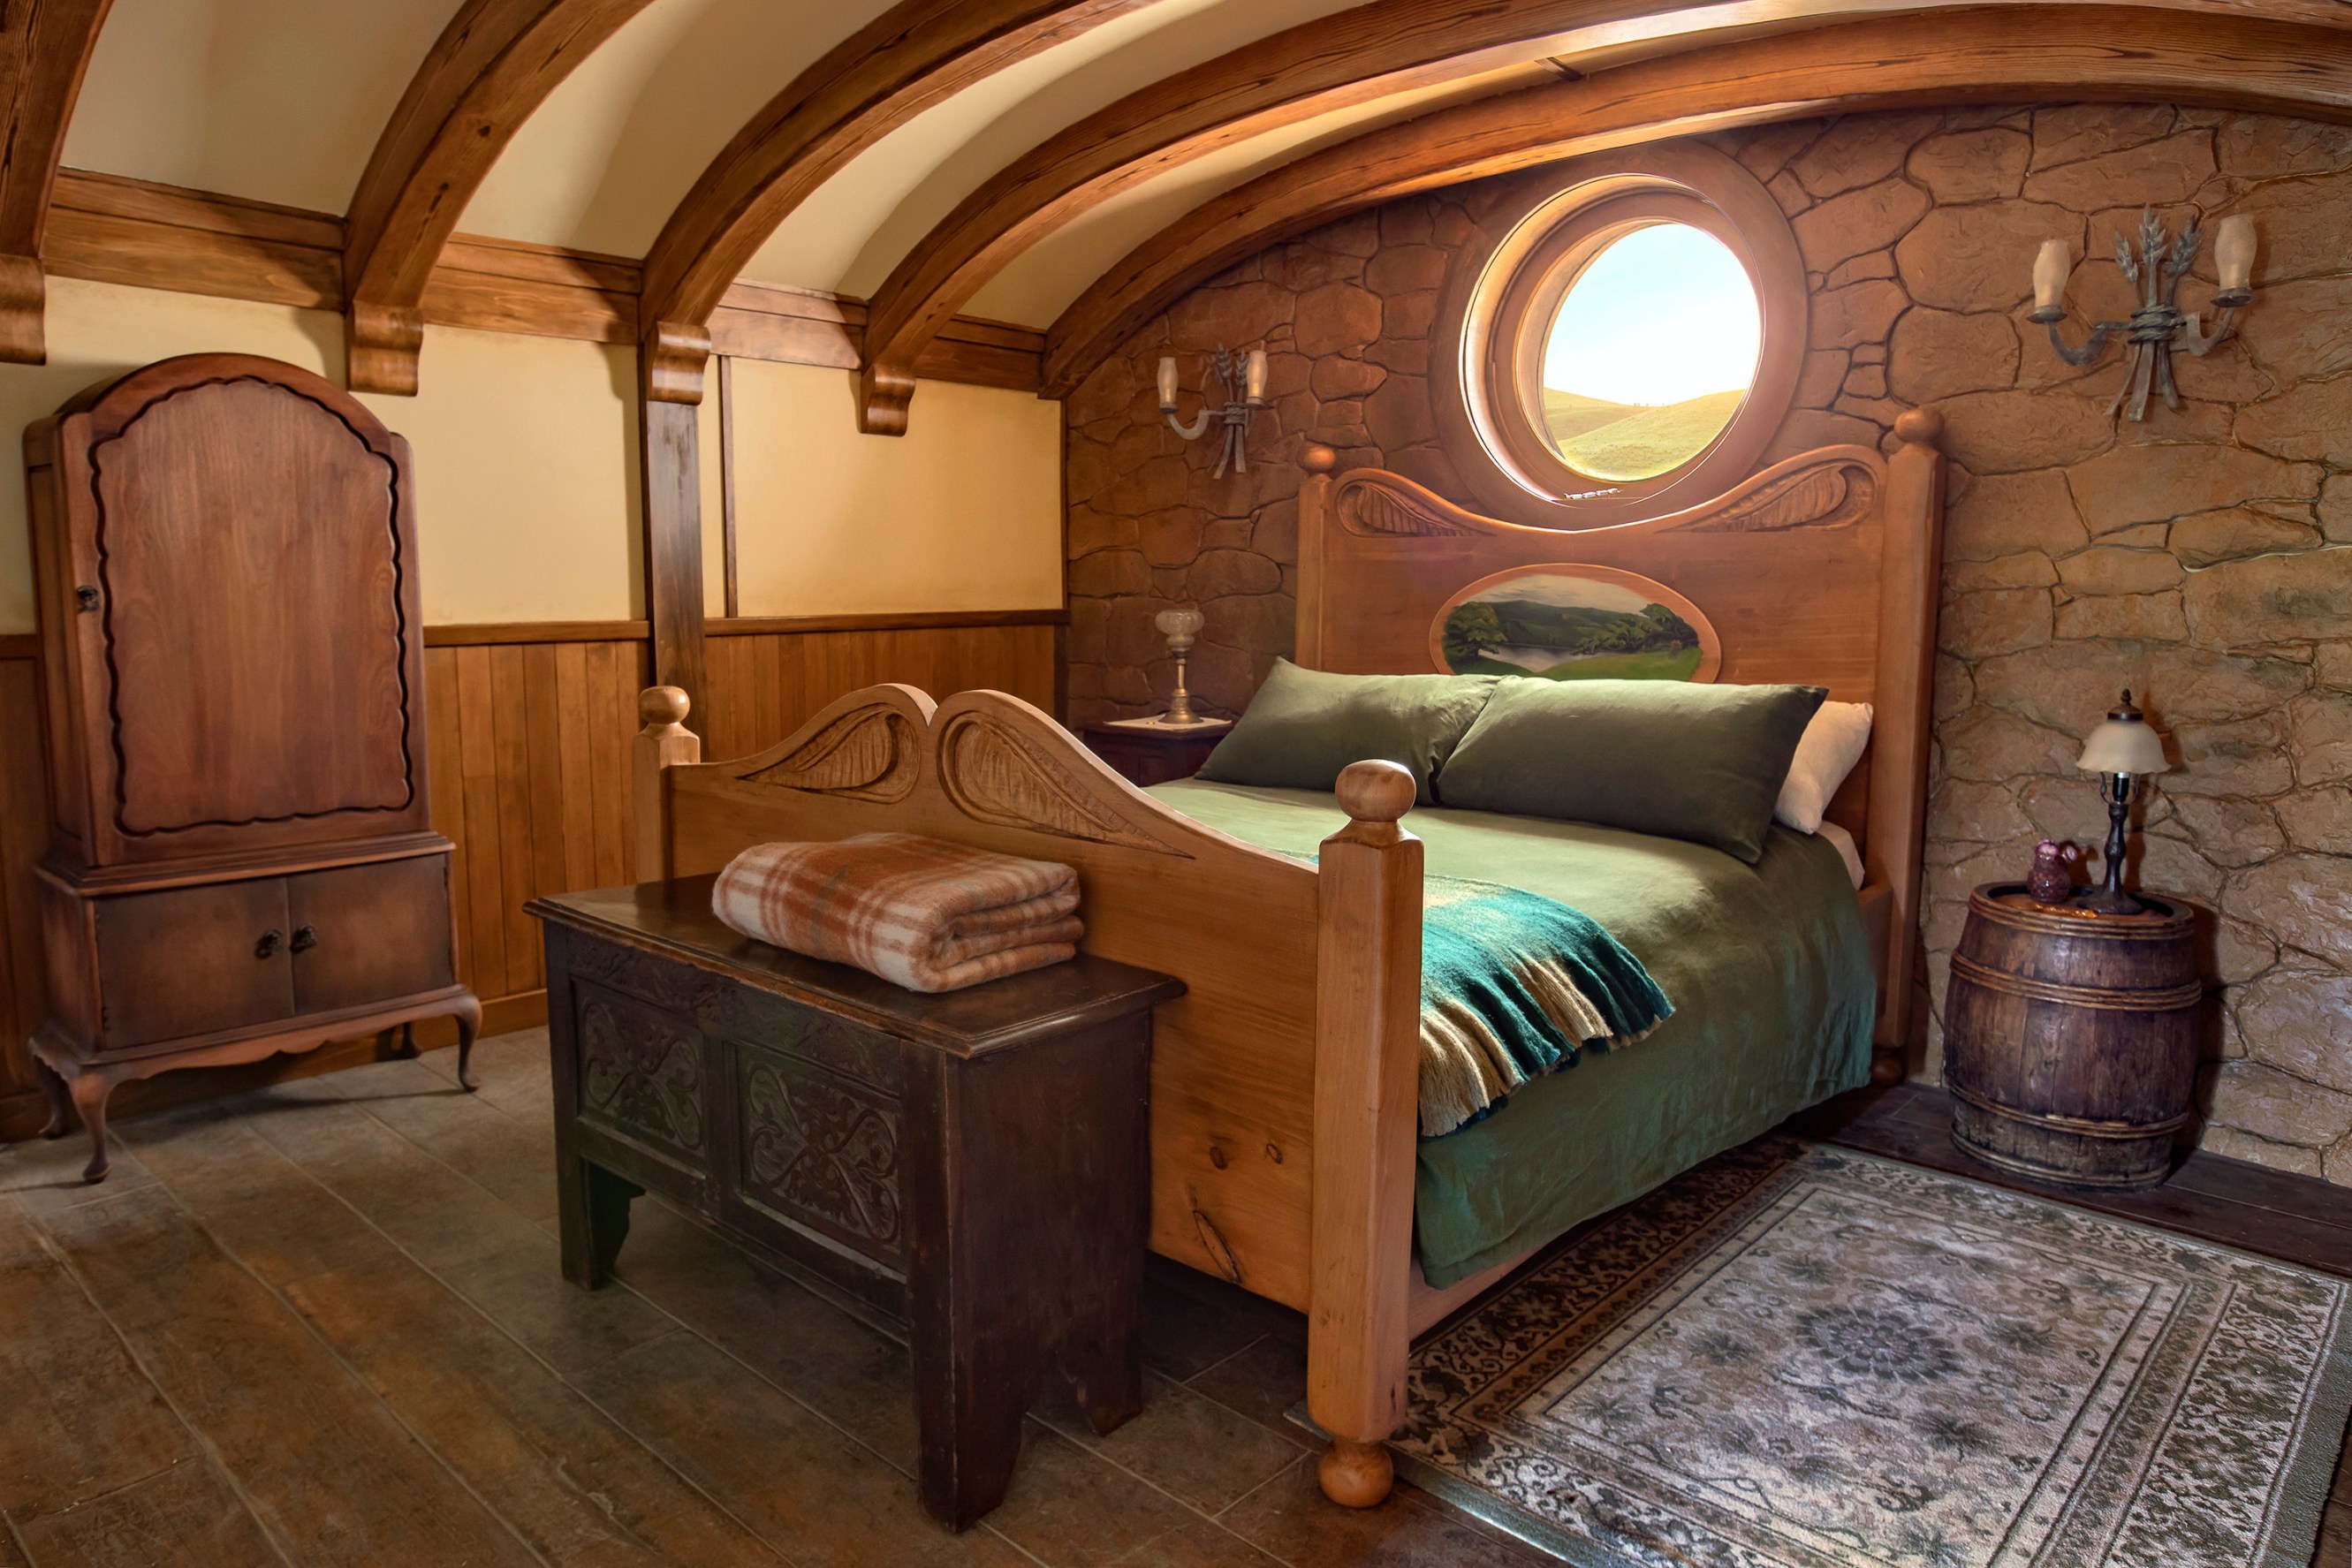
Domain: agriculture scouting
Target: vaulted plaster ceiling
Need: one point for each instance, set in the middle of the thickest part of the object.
(284, 101)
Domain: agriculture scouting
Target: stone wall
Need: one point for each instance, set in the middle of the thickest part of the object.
(2195, 558)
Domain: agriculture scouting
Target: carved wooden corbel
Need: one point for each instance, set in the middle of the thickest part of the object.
(884, 392)
(676, 355)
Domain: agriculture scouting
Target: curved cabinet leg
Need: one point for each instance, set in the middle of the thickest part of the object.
(1354, 1474)
(470, 1024)
(53, 1088)
(90, 1092)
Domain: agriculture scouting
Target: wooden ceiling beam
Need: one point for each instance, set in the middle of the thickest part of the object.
(914, 54)
(45, 50)
(1990, 54)
(1372, 51)
(492, 67)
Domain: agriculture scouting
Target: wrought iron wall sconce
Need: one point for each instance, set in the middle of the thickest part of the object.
(2159, 326)
(1237, 414)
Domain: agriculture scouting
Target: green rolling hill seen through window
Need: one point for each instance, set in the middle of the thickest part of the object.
(1624, 441)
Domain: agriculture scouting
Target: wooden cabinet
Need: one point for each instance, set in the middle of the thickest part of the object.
(241, 858)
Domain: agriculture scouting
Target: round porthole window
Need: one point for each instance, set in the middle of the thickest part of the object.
(1623, 340)
(1650, 354)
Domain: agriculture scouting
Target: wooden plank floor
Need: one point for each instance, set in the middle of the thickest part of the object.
(322, 1323)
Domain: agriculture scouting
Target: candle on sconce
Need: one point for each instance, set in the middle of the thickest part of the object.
(2051, 268)
(1167, 385)
(1254, 379)
(2233, 254)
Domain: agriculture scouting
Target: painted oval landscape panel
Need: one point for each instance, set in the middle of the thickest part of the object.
(1574, 624)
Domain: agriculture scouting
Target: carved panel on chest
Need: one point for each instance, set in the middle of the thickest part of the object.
(821, 1150)
(641, 1074)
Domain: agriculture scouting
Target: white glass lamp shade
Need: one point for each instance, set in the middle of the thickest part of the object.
(1178, 626)
(2233, 252)
(2123, 746)
(1168, 383)
(2051, 269)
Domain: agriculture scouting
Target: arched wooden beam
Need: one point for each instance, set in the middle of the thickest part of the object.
(44, 48)
(493, 65)
(1374, 50)
(1989, 55)
(913, 55)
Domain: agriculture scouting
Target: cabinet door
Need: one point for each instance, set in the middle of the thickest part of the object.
(366, 933)
(248, 626)
(192, 961)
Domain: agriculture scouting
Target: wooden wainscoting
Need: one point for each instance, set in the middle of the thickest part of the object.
(24, 839)
(769, 676)
(531, 725)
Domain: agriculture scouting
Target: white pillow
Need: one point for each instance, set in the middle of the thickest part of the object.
(1832, 745)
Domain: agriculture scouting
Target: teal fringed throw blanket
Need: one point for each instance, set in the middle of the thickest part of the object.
(1514, 986)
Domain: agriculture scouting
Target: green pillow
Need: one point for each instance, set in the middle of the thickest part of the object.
(1670, 758)
(1304, 726)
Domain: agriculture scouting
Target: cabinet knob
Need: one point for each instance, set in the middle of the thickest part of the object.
(271, 940)
(305, 938)
(85, 596)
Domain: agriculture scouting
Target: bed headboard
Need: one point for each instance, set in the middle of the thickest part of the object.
(1824, 570)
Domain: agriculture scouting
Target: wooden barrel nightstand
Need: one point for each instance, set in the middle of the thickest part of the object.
(2069, 1038)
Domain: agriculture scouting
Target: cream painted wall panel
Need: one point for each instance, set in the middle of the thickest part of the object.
(525, 448)
(278, 100)
(851, 233)
(961, 513)
(527, 501)
(621, 141)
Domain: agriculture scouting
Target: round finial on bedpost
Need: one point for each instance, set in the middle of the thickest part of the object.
(1376, 791)
(1919, 427)
(663, 707)
(1318, 458)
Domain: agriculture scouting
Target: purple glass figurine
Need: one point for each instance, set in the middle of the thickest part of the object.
(2051, 881)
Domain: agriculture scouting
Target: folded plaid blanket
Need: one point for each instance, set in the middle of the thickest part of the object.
(1513, 986)
(920, 912)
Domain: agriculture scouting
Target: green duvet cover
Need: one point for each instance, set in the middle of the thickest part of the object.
(1767, 966)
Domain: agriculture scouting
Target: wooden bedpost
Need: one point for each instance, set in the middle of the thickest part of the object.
(1367, 1084)
(664, 743)
(1911, 585)
(1314, 517)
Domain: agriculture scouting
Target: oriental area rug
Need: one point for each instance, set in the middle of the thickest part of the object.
(1802, 1357)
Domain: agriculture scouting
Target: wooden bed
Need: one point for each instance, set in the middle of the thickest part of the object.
(1284, 1081)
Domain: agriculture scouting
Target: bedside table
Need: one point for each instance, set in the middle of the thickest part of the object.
(2069, 1036)
(1144, 758)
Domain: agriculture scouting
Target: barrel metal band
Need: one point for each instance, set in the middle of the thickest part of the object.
(2081, 1126)
(2186, 995)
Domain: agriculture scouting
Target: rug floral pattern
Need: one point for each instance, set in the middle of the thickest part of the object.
(1807, 1358)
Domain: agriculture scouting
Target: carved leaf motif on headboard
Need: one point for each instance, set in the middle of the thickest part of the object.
(1829, 496)
(993, 775)
(1366, 506)
(871, 754)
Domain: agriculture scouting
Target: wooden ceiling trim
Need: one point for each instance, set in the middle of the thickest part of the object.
(111, 229)
(917, 53)
(45, 50)
(1384, 48)
(1990, 54)
(493, 65)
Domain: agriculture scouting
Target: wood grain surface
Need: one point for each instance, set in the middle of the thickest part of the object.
(387, 1236)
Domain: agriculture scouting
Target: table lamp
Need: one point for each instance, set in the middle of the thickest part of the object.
(2122, 752)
